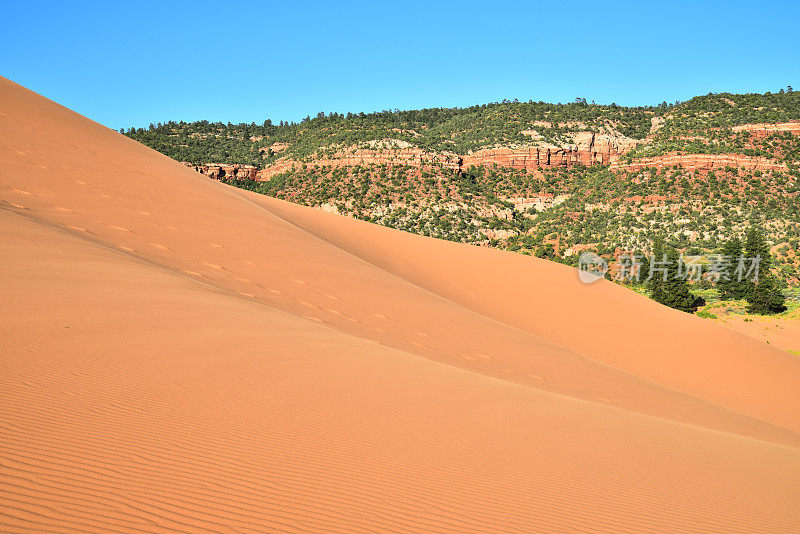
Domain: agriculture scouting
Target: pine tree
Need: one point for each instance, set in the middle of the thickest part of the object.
(643, 268)
(763, 294)
(766, 298)
(755, 246)
(669, 287)
(730, 286)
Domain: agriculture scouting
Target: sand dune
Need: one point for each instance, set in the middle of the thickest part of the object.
(179, 355)
(780, 332)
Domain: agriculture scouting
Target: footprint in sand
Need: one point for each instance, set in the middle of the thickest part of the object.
(213, 265)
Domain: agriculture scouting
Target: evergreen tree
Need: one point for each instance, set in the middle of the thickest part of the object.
(643, 268)
(765, 297)
(762, 292)
(668, 286)
(755, 246)
(730, 286)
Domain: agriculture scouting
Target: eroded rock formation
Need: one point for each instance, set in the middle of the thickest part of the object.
(217, 171)
(762, 130)
(701, 162)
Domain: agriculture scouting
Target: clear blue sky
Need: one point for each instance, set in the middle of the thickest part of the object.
(131, 63)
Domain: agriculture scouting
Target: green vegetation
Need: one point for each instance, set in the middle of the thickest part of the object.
(668, 286)
(763, 294)
(731, 287)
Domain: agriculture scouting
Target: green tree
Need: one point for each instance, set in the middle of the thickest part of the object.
(765, 297)
(762, 291)
(755, 246)
(547, 252)
(667, 285)
(730, 285)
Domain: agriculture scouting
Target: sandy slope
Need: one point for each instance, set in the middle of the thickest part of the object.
(180, 355)
(780, 332)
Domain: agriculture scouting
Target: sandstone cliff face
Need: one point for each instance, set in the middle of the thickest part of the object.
(223, 171)
(763, 130)
(587, 148)
(702, 162)
(529, 159)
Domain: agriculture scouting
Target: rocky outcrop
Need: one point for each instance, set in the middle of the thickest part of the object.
(528, 159)
(220, 171)
(587, 148)
(274, 148)
(761, 130)
(701, 162)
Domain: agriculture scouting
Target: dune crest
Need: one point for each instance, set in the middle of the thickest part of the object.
(184, 356)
